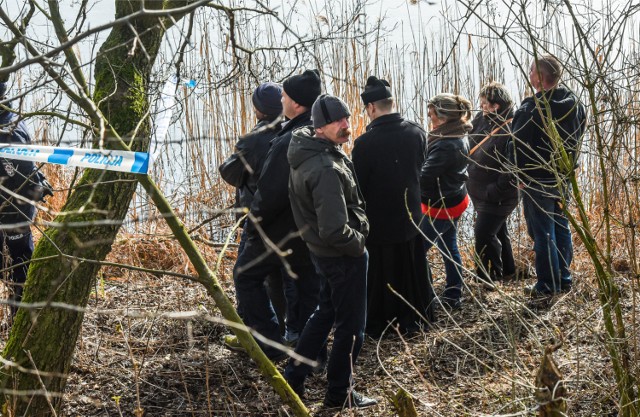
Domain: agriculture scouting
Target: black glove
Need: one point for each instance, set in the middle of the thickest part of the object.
(42, 189)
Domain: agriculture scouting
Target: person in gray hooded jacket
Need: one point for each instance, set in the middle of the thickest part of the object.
(328, 208)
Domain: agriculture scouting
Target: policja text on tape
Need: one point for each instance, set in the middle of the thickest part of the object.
(122, 161)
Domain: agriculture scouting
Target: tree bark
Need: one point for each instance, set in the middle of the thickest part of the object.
(49, 335)
(43, 341)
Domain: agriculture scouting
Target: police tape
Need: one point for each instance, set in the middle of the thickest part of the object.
(122, 161)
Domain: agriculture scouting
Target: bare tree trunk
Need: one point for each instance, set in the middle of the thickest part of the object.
(42, 342)
(45, 339)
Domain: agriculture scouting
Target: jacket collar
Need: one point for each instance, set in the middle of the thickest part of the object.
(387, 118)
(298, 121)
(308, 133)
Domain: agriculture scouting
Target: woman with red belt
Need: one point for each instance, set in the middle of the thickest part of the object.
(442, 182)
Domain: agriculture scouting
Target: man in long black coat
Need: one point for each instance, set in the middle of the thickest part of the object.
(387, 160)
(272, 208)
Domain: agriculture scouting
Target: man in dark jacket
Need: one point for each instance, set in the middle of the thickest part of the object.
(547, 129)
(242, 170)
(387, 159)
(16, 214)
(329, 210)
(272, 209)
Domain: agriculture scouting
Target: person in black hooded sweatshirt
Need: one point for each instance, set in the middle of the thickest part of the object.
(547, 129)
(243, 167)
(492, 184)
(387, 159)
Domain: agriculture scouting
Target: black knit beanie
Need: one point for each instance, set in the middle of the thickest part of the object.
(376, 89)
(305, 88)
(267, 99)
(327, 109)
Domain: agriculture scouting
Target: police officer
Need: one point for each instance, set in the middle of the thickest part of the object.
(20, 185)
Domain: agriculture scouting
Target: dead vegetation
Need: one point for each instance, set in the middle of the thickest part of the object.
(151, 346)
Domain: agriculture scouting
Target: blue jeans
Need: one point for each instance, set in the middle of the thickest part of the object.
(254, 305)
(549, 228)
(443, 233)
(343, 304)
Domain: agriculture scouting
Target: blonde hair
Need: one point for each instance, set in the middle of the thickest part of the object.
(451, 107)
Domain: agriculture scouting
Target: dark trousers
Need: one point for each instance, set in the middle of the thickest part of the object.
(443, 233)
(275, 288)
(254, 305)
(19, 249)
(549, 228)
(343, 305)
(493, 246)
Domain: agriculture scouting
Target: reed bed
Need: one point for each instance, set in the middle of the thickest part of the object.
(479, 361)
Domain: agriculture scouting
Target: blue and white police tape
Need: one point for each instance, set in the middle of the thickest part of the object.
(165, 104)
(123, 161)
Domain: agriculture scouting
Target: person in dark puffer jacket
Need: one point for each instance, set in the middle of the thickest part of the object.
(242, 170)
(492, 186)
(442, 181)
(329, 210)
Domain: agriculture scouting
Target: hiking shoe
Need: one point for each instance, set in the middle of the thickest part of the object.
(353, 400)
(297, 388)
(278, 356)
(231, 342)
(538, 291)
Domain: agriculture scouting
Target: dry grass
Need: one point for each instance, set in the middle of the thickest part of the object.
(479, 360)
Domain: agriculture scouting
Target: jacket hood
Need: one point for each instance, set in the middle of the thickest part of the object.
(304, 146)
(562, 101)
